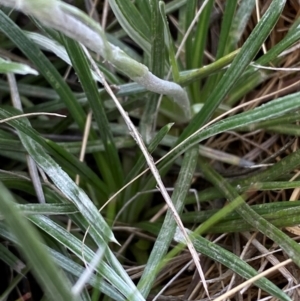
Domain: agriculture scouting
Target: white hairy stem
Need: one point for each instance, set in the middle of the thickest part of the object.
(76, 25)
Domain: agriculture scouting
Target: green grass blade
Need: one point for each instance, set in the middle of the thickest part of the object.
(230, 8)
(190, 9)
(270, 110)
(132, 22)
(44, 66)
(188, 76)
(239, 64)
(169, 42)
(56, 286)
(75, 269)
(84, 253)
(167, 230)
(233, 262)
(11, 67)
(199, 46)
(239, 23)
(63, 182)
(82, 68)
(250, 216)
(157, 67)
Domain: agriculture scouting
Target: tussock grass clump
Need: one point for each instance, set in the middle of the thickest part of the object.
(149, 150)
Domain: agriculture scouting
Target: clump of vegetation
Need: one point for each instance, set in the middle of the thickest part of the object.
(136, 135)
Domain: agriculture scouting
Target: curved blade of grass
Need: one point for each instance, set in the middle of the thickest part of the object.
(132, 22)
(16, 35)
(267, 111)
(167, 231)
(84, 253)
(233, 262)
(278, 170)
(82, 68)
(11, 259)
(261, 209)
(250, 216)
(56, 286)
(47, 209)
(199, 45)
(63, 157)
(239, 64)
(157, 67)
(239, 23)
(62, 181)
(187, 77)
(75, 269)
(71, 163)
(169, 42)
(227, 22)
(65, 184)
(258, 76)
(11, 67)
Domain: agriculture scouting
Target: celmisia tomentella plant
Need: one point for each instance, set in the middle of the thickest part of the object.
(78, 26)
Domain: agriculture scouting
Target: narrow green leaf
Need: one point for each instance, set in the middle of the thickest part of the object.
(82, 67)
(239, 23)
(84, 253)
(47, 209)
(60, 178)
(167, 230)
(169, 42)
(250, 216)
(267, 111)
(233, 262)
(227, 21)
(11, 259)
(157, 66)
(65, 184)
(11, 30)
(75, 269)
(132, 22)
(56, 286)
(239, 64)
(11, 67)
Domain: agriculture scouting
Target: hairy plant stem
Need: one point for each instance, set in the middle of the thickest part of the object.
(78, 26)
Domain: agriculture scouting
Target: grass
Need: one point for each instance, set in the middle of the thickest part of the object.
(136, 135)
